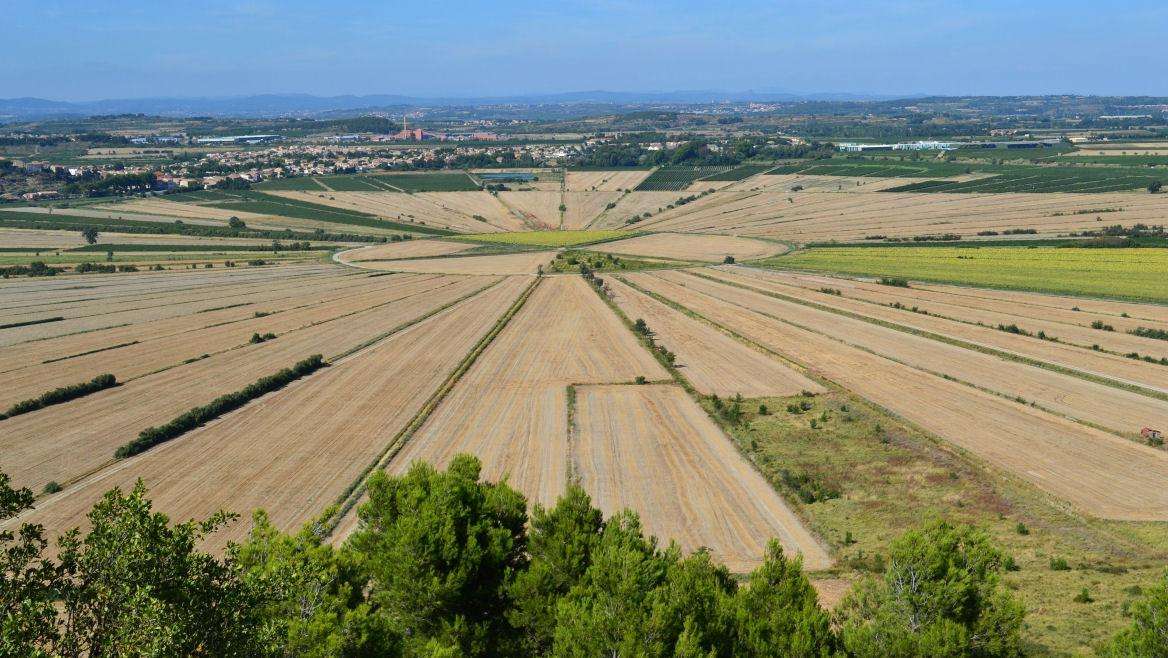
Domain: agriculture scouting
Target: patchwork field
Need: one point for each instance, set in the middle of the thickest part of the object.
(789, 394)
(62, 442)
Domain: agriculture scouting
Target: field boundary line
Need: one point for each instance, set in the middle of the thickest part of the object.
(348, 498)
(956, 342)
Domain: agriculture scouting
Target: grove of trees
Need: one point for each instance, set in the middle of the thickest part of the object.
(445, 564)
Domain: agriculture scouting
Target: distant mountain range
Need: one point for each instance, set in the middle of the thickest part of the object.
(307, 105)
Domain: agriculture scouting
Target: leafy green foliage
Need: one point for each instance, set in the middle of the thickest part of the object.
(941, 595)
(152, 436)
(62, 394)
(1147, 636)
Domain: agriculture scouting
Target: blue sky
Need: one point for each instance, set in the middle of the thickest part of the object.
(75, 50)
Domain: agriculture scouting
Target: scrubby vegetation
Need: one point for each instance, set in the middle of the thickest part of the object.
(152, 436)
(445, 564)
(59, 395)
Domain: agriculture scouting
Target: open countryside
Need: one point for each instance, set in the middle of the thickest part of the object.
(619, 374)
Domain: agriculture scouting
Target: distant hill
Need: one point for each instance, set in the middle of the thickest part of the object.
(270, 105)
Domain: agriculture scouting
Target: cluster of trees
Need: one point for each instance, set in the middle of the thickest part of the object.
(444, 564)
(116, 184)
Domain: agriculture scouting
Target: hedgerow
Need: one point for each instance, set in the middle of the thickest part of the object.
(59, 395)
(152, 436)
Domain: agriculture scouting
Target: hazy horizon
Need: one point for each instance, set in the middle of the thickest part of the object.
(94, 51)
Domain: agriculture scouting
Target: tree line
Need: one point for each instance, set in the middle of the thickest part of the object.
(446, 564)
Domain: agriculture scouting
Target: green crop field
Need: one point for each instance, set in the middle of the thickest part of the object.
(1133, 160)
(675, 178)
(299, 184)
(1130, 273)
(740, 172)
(429, 182)
(545, 238)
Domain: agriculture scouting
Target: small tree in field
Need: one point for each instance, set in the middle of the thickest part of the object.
(90, 234)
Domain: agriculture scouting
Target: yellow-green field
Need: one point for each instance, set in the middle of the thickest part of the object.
(1133, 273)
(544, 238)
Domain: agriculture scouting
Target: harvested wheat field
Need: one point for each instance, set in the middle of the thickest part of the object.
(582, 208)
(540, 210)
(1119, 410)
(405, 249)
(89, 308)
(399, 207)
(1070, 327)
(709, 248)
(527, 262)
(605, 181)
(510, 408)
(712, 361)
(477, 204)
(153, 353)
(107, 301)
(63, 442)
(1100, 473)
(808, 216)
(294, 452)
(277, 302)
(633, 204)
(653, 450)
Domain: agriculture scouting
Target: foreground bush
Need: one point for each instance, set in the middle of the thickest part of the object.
(444, 564)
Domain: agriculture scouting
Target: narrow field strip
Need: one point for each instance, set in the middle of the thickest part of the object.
(1108, 370)
(711, 361)
(652, 449)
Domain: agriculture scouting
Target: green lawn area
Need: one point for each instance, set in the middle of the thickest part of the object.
(1129, 273)
(544, 238)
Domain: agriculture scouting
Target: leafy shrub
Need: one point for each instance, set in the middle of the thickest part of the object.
(59, 395)
(152, 436)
